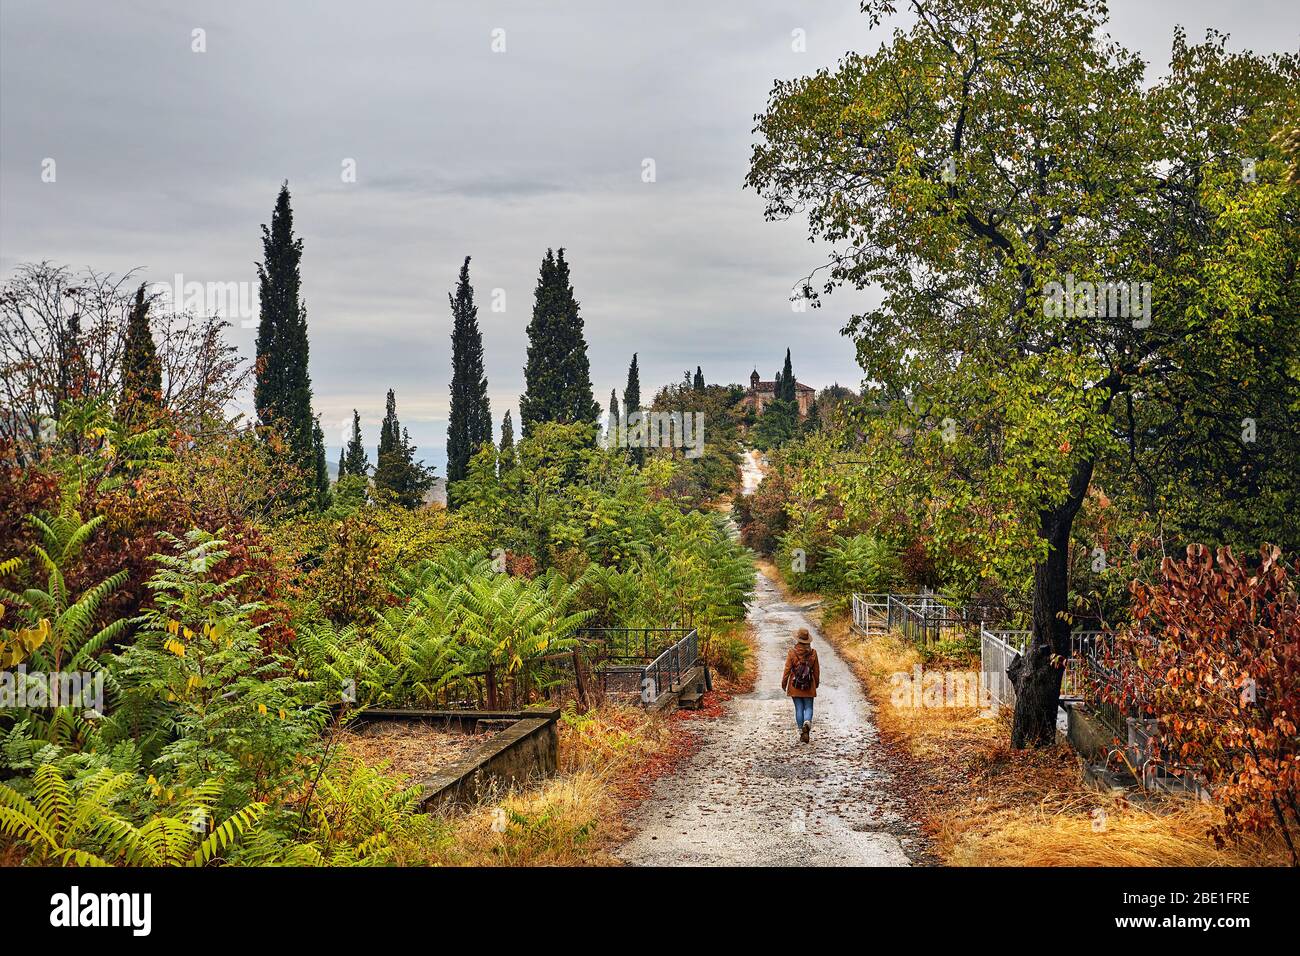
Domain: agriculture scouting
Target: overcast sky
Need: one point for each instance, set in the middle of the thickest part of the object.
(169, 160)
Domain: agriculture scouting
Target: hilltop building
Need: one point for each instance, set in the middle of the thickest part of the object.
(761, 393)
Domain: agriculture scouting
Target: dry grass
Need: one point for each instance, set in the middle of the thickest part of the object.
(562, 823)
(608, 760)
(409, 749)
(983, 804)
(1091, 830)
(774, 575)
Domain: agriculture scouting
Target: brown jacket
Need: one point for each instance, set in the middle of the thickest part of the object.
(787, 685)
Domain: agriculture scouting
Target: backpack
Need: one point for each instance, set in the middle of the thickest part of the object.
(801, 675)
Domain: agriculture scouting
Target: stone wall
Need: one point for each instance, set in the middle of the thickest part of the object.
(525, 750)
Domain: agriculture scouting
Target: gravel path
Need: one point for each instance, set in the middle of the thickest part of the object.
(754, 795)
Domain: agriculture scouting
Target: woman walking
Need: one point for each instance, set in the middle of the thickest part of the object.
(800, 680)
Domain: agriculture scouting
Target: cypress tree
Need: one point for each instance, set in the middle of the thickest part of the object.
(698, 384)
(397, 474)
(388, 457)
(506, 450)
(343, 463)
(611, 425)
(787, 381)
(469, 425)
(632, 410)
(141, 369)
(321, 474)
(282, 390)
(557, 376)
(355, 461)
(632, 391)
(507, 433)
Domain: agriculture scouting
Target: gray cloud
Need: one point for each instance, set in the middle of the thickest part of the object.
(170, 160)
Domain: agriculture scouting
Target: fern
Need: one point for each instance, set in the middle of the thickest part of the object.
(71, 642)
(81, 826)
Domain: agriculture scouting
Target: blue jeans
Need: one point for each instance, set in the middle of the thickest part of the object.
(803, 707)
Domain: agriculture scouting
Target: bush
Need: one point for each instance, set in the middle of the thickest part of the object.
(1217, 647)
(865, 564)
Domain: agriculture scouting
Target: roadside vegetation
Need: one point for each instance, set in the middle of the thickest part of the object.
(232, 609)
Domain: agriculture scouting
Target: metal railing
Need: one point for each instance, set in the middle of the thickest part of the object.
(869, 612)
(999, 648)
(997, 651)
(926, 619)
(667, 671)
(922, 618)
(644, 663)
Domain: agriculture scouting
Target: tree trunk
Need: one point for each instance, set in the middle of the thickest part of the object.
(1038, 679)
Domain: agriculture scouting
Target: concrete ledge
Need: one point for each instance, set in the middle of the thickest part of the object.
(526, 749)
(693, 679)
(1090, 737)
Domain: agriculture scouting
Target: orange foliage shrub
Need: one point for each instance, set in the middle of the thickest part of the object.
(1216, 644)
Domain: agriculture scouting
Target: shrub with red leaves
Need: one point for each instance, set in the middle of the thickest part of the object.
(1216, 644)
(24, 490)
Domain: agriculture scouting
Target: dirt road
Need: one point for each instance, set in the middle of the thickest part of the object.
(754, 795)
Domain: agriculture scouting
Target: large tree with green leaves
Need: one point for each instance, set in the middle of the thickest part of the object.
(557, 376)
(993, 149)
(469, 425)
(282, 388)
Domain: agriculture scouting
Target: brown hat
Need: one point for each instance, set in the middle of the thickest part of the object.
(802, 636)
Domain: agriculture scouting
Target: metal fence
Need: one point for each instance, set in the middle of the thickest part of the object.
(1083, 677)
(925, 619)
(642, 663)
(869, 613)
(997, 651)
(622, 663)
(922, 618)
(540, 679)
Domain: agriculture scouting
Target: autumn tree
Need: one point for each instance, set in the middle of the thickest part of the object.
(1212, 658)
(63, 337)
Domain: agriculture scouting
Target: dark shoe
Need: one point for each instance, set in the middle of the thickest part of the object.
(807, 727)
